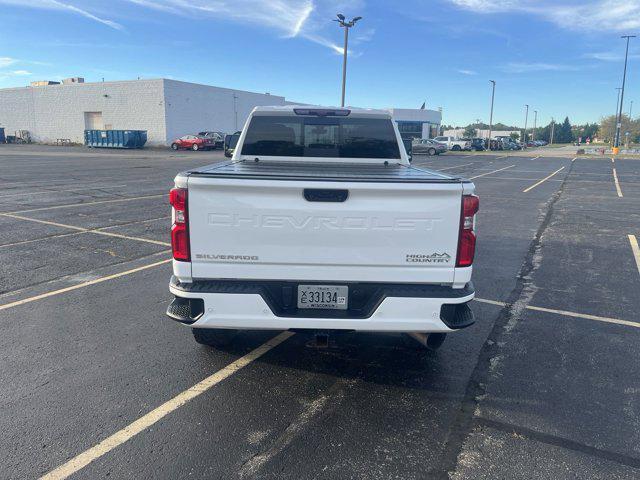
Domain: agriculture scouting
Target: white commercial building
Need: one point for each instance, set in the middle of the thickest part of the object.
(416, 122)
(166, 109)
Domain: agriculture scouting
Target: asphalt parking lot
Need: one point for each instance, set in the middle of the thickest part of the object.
(97, 382)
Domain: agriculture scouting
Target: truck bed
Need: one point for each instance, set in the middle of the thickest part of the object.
(318, 171)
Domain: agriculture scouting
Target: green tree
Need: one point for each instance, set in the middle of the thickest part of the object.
(470, 131)
(563, 133)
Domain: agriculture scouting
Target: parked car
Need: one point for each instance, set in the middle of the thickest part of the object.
(478, 144)
(217, 137)
(230, 142)
(454, 144)
(429, 147)
(193, 142)
(307, 246)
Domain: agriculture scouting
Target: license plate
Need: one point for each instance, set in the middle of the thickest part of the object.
(323, 296)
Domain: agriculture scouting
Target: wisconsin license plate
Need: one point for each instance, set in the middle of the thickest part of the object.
(323, 296)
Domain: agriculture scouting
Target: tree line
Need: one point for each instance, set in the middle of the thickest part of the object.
(565, 132)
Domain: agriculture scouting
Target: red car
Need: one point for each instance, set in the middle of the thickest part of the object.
(193, 142)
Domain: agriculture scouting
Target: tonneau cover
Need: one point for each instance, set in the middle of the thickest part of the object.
(318, 171)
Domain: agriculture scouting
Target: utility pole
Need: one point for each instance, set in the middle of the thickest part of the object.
(493, 94)
(630, 109)
(346, 25)
(526, 118)
(553, 127)
(616, 145)
(535, 121)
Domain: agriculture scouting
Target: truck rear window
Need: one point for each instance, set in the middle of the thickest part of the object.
(284, 136)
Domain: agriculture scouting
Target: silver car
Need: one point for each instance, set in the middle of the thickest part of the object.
(429, 147)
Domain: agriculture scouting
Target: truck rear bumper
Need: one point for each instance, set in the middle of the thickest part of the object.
(272, 305)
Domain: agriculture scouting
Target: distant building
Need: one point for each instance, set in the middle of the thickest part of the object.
(417, 123)
(167, 109)
(459, 133)
(497, 133)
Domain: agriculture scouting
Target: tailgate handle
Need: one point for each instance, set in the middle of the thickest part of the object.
(325, 195)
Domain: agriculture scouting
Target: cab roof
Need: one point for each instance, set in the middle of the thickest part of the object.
(319, 110)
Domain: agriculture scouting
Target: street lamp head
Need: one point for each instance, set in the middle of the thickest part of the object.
(356, 19)
(340, 16)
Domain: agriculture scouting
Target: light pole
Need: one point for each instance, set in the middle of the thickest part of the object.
(616, 145)
(526, 118)
(630, 109)
(535, 121)
(493, 94)
(553, 127)
(346, 25)
(617, 107)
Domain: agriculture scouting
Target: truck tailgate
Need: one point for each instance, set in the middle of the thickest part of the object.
(264, 229)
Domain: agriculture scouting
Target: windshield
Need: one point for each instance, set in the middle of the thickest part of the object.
(289, 136)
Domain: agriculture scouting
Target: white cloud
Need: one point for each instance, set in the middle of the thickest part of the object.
(63, 6)
(467, 72)
(523, 67)
(612, 15)
(20, 72)
(290, 18)
(6, 61)
(609, 56)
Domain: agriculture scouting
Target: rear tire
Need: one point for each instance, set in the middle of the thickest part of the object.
(214, 337)
(456, 148)
(174, 146)
(195, 147)
(432, 152)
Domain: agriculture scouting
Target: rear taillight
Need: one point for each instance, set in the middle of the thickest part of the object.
(180, 227)
(467, 238)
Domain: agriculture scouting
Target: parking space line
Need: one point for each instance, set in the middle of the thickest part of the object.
(635, 249)
(574, 159)
(541, 181)
(87, 230)
(535, 158)
(121, 436)
(14, 244)
(615, 180)
(42, 192)
(81, 285)
(72, 205)
(456, 166)
(566, 313)
(489, 173)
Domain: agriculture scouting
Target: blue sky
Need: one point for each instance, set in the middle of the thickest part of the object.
(560, 57)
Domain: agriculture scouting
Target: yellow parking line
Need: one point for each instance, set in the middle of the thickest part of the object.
(615, 180)
(73, 205)
(541, 181)
(121, 436)
(567, 313)
(489, 173)
(80, 285)
(86, 230)
(635, 249)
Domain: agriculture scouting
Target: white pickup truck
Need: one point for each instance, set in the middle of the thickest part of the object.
(453, 143)
(319, 222)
